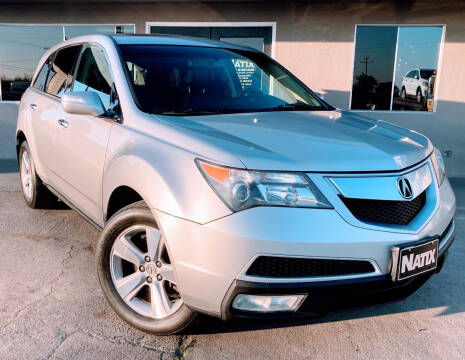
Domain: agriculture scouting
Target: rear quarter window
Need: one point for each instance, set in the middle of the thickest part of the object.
(41, 78)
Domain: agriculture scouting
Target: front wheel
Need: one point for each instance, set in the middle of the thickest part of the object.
(137, 275)
(419, 96)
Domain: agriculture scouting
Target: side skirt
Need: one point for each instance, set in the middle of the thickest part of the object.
(67, 202)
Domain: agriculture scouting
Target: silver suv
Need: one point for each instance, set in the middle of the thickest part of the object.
(223, 185)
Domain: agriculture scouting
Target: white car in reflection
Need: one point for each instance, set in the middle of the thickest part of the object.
(415, 84)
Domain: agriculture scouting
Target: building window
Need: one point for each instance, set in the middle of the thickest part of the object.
(395, 67)
(22, 46)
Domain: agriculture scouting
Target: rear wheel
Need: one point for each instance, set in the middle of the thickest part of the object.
(35, 193)
(137, 275)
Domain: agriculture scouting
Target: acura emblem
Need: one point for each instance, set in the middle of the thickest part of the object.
(404, 187)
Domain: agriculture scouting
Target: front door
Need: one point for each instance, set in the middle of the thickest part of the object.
(80, 141)
(257, 37)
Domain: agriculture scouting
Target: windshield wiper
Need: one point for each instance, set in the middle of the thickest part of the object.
(296, 106)
(187, 113)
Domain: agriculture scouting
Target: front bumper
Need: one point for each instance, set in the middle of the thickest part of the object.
(212, 258)
(327, 295)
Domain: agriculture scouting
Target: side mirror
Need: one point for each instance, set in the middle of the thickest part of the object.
(416, 77)
(83, 103)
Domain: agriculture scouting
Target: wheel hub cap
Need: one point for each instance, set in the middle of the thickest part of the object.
(142, 273)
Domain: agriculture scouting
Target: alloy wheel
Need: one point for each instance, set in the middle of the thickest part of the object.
(142, 272)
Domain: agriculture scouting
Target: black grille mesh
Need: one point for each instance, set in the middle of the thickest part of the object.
(274, 266)
(385, 211)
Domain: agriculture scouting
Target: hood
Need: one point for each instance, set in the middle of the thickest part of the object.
(323, 141)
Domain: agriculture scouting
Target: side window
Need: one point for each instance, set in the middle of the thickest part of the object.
(93, 74)
(41, 78)
(410, 74)
(61, 70)
(416, 75)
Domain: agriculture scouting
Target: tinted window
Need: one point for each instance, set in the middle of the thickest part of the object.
(61, 70)
(387, 53)
(93, 74)
(79, 30)
(418, 48)
(22, 46)
(180, 80)
(373, 68)
(41, 78)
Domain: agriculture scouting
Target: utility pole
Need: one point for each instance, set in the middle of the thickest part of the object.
(366, 62)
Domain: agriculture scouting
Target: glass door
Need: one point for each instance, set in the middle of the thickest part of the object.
(257, 37)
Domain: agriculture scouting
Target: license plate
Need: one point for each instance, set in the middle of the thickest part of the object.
(414, 260)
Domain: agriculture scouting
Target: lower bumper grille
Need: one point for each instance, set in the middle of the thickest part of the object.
(274, 266)
(385, 211)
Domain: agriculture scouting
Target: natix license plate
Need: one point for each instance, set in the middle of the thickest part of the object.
(413, 260)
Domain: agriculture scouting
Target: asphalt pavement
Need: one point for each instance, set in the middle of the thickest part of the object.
(51, 305)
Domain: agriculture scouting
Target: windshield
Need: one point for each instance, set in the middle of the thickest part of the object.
(193, 80)
(426, 73)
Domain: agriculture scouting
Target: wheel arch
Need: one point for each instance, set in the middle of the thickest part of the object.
(20, 138)
(129, 178)
(120, 197)
(166, 178)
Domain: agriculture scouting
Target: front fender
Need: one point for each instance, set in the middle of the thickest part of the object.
(164, 175)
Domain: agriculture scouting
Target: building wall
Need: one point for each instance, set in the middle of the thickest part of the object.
(315, 41)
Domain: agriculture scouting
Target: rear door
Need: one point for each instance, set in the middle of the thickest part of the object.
(37, 103)
(80, 142)
(48, 108)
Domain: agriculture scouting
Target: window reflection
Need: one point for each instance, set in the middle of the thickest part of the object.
(22, 46)
(416, 67)
(373, 67)
(407, 54)
(79, 30)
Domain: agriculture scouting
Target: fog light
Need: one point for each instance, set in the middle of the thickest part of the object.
(265, 303)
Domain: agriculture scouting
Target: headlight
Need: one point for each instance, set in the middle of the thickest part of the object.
(438, 164)
(242, 189)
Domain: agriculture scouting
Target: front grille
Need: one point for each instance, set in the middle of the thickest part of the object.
(274, 266)
(385, 211)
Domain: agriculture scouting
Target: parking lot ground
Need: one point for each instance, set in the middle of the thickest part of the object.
(51, 306)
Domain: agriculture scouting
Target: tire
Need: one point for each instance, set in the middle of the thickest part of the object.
(35, 193)
(403, 94)
(133, 299)
(419, 96)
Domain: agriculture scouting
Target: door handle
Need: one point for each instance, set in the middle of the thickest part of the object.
(63, 123)
(33, 106)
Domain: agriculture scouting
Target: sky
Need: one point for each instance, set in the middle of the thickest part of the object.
(378, 43)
